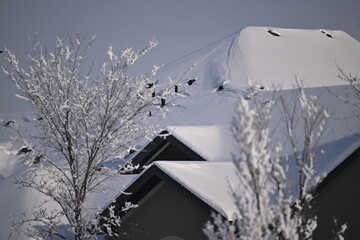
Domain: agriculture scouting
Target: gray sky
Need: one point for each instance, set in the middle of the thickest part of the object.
(181, 26)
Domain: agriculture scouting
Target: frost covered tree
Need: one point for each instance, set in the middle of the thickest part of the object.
(354, 90)
(87, 116)
(267, 209)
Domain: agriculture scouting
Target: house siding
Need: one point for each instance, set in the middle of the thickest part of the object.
(340, 199)
(165, 212)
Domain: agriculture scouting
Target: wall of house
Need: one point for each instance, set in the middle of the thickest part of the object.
(172, 153)
(165, 213)
(340, 199)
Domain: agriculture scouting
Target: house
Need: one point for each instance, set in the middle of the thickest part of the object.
(338, 197)
(186, 143)
(169, 193)
(175, 199)
(188, 174)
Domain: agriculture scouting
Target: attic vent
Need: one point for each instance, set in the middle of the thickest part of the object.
(9, 123)
(326, 33)
(220, 88)
(176, 88)
(24, 150)
(153, 94)
(191, 81)
(247, 96)
(272, 32)
(149, 85)
(163, 102)
(266, 102)
(37, 159)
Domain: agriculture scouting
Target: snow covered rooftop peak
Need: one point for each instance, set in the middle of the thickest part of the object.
(265, 56)
(276, 56)
(269, 56)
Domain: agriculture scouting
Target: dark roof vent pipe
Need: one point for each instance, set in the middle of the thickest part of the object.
(191, 81)
(272, 32)
(163, 102)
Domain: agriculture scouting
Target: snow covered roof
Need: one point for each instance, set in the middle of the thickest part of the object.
(311, 55)
(253, 53)
(209, 181)
(202, 119)
(207, 141)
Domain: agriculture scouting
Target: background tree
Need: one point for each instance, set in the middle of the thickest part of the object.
(353, 95)
(266, 207)
(87, 118)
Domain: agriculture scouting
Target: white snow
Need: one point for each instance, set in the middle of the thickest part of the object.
(202, 119)
(16, 201)
(207, 141)
(209, 181)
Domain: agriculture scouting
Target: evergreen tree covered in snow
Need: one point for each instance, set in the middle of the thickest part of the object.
(87, 118)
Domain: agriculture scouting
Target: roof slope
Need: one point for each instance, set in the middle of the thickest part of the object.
(202, 119)
(209, 181)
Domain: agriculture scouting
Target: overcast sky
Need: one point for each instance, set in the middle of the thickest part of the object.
(181, 26)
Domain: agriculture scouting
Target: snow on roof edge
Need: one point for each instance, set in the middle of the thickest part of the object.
(212, 204)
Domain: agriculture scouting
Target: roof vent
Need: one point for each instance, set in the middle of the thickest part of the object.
(272, 32)
(9, 123)
(326, 33)
(149, 85)
(220, 88)
(163, 102)
(191, 81)
(24, 150)
(37, 159)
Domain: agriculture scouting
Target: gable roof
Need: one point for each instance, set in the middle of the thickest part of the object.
(207, 183)
(201, 120)
(148, 180)
(254, 54)
(211, 182)
(165, 146)
(208, 141)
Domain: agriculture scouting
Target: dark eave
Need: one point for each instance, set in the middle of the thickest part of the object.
(355, 156)
(152, 150)
(147, 181)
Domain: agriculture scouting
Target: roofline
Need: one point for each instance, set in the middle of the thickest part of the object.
(159, 142)
(337, 170)
(143, 185)
(150, 178)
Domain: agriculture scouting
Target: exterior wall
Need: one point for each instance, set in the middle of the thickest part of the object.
(172, 153)
(340, 199)
(166, 212)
